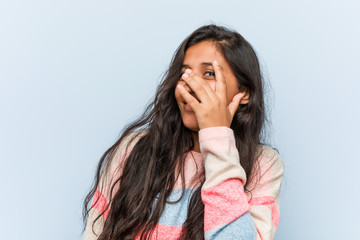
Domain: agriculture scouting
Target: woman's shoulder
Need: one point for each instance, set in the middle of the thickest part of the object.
(268, 169)
(269, 155)
(122, 151)
(130, 140)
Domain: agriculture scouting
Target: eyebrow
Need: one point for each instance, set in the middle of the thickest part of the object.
(203, 63)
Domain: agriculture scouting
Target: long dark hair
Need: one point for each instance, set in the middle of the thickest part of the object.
(148, 172)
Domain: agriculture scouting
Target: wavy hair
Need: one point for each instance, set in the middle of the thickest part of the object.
(149, 171)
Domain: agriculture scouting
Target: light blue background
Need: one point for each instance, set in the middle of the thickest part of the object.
(73, 73)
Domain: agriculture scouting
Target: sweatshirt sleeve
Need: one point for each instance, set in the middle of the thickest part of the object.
(227, 213)
(101, 197)
(99, 204)
(265, 198)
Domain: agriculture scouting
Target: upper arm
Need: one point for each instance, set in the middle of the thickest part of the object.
(93, 232)
(265, 195)
(101, 202)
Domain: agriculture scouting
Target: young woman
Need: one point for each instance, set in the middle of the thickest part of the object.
(193, 165)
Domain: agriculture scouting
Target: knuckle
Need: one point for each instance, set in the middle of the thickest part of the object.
(190, 78)
(216, 101)
(197, 87)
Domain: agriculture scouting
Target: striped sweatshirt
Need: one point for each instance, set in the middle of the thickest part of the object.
(230, 212)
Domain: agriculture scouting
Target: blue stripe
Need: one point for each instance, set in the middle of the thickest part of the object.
(242, 228)
(175, 214)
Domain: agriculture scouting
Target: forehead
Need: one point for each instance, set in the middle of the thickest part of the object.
(202, 52)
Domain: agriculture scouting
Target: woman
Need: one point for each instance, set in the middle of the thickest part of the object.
(192, 166)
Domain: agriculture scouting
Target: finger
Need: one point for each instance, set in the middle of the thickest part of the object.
(194, 104)
(220, 81)
(198, 86)
(234, 104)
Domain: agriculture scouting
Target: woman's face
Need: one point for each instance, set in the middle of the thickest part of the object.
(199, 59)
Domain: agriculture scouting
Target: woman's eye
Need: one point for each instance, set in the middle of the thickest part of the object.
(210, 73)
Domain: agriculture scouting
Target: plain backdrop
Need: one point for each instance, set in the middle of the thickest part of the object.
(74, 73)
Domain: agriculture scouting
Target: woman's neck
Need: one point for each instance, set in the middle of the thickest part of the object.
(196, 147)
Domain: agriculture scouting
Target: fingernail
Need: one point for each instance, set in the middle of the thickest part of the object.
(188, 70)
(185, 75)
(216, 63)
(179, 87)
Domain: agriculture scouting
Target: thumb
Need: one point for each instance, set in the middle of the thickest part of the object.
(233, 105)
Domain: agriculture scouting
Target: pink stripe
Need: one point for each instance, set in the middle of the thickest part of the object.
(100, 203)
(224, 203)
(163, 232)
(270, 202)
